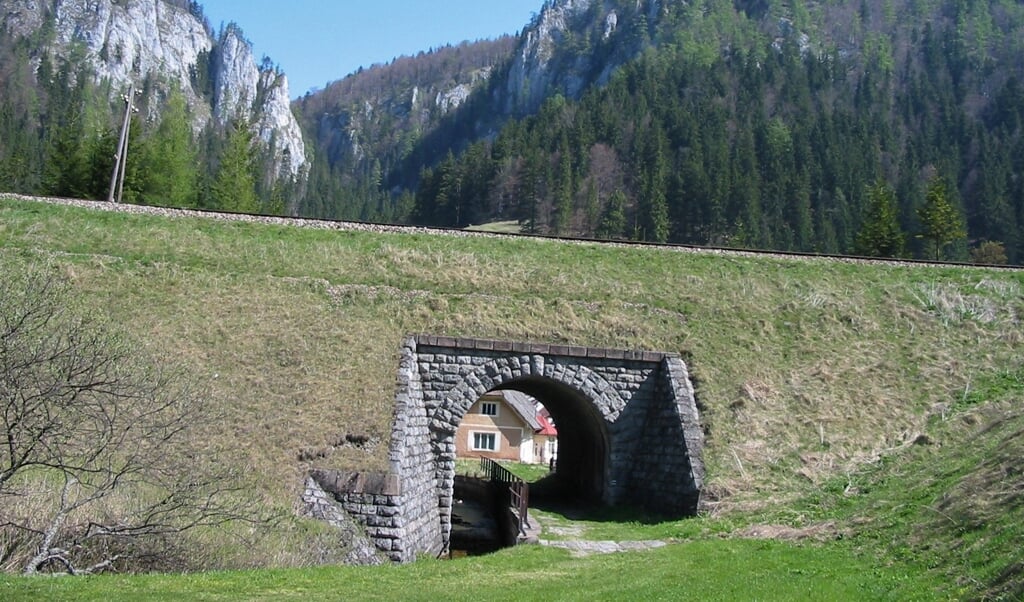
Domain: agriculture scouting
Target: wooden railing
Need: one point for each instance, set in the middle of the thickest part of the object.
(518, 490)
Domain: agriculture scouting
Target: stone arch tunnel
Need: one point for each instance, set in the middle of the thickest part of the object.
(629, 432)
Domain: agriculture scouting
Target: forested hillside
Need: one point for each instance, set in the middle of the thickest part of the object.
(876, 127)
(881, 127)
(365, 125)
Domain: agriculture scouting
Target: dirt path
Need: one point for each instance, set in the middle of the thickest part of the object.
(579, 547)
(582, 547)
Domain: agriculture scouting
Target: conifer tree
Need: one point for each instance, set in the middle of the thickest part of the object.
(941, 222)
(564, 189)
(613, 222)
(880, 235)
(234, 186)
(653, 173)
(65, 164)
(99, 150)
(169, 160)
(446, 208)
(530, 190)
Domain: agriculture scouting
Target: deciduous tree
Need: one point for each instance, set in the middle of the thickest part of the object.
(989, 253)
(97, 455)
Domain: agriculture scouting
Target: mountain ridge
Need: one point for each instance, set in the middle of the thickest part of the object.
(924, 90)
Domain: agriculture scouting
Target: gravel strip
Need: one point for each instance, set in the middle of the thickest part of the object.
(344, 226)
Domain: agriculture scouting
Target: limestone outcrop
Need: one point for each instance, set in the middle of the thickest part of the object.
(168, 43)
(559, 51)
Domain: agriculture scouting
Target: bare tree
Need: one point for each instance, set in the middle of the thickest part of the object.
(96, 456)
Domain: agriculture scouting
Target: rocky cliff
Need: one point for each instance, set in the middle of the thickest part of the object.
(379, 127)
(573, 44)
(257, 94)
(165, 43)
(369, 122)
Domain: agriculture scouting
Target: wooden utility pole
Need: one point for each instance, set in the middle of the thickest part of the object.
(117, 180)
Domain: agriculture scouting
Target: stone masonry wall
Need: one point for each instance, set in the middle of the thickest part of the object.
(412, 459)
(669, 478)
(637, 408)
(319, 504)
(644, 400)
(369, 499)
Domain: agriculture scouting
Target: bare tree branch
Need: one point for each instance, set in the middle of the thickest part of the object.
(94, 456)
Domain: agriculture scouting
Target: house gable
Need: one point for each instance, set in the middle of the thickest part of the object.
(499, 425)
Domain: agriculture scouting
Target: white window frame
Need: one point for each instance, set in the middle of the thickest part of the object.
(484, 405)
(495, 435)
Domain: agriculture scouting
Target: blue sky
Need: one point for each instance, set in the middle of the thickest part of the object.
(318, 41)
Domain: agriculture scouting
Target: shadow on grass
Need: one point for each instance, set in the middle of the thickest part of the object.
(554, 495)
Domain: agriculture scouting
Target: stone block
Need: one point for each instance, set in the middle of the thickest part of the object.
(464, 343)
(576, 351)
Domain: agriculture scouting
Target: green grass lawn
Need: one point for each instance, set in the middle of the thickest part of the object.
(706, 570)
(530, 473)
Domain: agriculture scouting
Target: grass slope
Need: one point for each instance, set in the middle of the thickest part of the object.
(952, 504)
(810, 373)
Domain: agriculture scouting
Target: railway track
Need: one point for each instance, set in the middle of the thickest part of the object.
(353, 226)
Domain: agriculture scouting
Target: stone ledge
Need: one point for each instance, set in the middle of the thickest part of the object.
(540, 348)
(339, 482)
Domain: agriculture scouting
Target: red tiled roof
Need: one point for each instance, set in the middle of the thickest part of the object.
(546, 428)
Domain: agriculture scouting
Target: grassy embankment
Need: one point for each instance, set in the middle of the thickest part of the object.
(815, 378)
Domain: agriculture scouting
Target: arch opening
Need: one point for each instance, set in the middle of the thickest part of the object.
(504, 424)
(581, 466)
